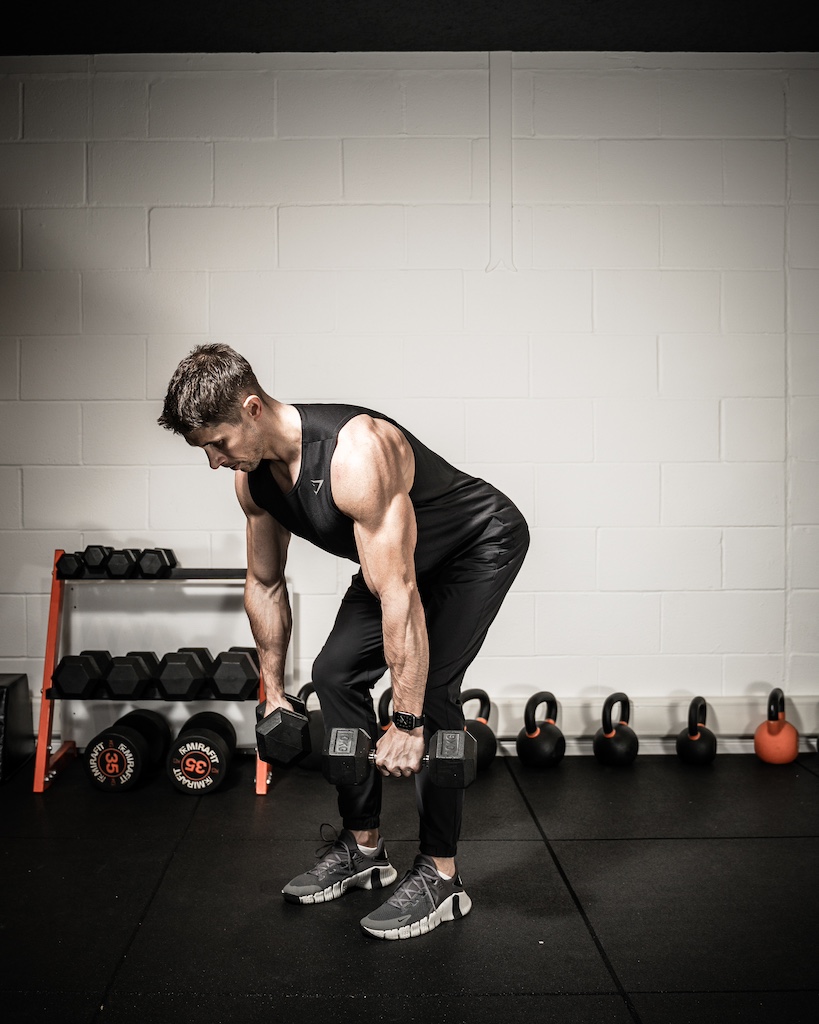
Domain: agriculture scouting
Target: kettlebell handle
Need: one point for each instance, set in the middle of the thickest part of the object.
(697, 711)
(534, 702)
(384, 708)
(485, 705)
(305, 692)
(625, 711)
(776, 705)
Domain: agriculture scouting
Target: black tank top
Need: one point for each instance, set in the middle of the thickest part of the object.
(451, 507)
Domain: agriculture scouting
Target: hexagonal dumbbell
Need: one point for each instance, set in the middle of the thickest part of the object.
(204, 655)
(81, 676)
(70, 566)
(96, 558)
(235, 675)
(132, 675)
(283, 737)
(181, 676)
(122, 564)
(452, 759)
(252, 651)
(156, 563)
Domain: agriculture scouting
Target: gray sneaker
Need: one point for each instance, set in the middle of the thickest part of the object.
(342, 867)
(422, 901)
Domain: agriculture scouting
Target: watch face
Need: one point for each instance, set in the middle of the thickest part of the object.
(402, 720)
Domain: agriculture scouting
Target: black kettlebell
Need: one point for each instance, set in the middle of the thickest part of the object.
(479, 727)
(616, 744)
(384, 717)
(315, 724)
(540, 744)
(696, 744)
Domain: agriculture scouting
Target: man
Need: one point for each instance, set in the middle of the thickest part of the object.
(438, 551)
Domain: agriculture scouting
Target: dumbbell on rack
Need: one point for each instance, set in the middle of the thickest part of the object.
(452, 758)
(81, 676)
(200, 757)
(95, 558)
(156, 563)
(126, 752)
(99, 561)
(183, 674)
(70, 565)
(131, 676)
(235, 674)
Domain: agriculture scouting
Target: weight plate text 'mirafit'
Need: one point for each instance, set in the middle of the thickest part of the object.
(112, 763)
(196, 765)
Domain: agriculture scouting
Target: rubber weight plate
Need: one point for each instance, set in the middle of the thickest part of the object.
(125, 753)
(199, 758)
(116, 759)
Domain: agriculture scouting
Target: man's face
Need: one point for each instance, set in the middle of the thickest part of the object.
(234, 446)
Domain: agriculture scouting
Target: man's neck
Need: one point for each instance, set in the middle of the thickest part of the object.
(282, 432)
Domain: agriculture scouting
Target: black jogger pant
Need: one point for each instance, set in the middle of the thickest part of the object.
(460, 602)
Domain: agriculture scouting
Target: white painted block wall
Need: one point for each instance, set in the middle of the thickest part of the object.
(644, 383)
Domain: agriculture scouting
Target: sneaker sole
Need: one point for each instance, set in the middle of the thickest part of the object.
(372, 878)
(453, 908)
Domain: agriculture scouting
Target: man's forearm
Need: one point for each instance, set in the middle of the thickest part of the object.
(406, 650)
(268, 611)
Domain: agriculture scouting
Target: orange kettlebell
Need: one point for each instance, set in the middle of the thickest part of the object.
(776, 741)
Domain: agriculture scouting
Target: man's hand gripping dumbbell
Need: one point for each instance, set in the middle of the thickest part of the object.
(348, 756)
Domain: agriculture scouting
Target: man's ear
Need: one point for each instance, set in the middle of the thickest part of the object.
(253, 404)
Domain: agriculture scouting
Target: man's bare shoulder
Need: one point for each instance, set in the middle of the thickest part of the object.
(367, 439)
(372, 458)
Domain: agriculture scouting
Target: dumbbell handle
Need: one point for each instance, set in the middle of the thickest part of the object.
(372, 754)
(348, 755)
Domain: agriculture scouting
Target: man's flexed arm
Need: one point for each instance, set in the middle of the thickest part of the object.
(372, 474)
(266, 601)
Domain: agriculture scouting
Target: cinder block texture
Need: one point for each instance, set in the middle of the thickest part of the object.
(213, 106)
(119, 107)
(339, 104)
(587, 104)
(11, 498)
(10, 107)
(277, 172)
(146, 173)
(213, 238)
(100, 239)
(727, 622)
(9, 240)
(669, 301)
(40, 303)
(659, 559)
(42, 174)
(639, 373)
(56, 108)
(341, 236)
(723, 104)
(54, 367)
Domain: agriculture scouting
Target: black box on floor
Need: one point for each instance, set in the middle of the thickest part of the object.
(16, 723)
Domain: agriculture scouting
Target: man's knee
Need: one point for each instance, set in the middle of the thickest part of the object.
(328, 674)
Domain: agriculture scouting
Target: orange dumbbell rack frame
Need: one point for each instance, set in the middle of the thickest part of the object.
(48, 763)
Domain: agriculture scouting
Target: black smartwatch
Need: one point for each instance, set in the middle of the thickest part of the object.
(401, 720)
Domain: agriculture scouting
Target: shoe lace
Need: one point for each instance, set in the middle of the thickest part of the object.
(418, 881)
(331, 852)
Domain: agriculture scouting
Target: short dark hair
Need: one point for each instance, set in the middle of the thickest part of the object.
(207, 388)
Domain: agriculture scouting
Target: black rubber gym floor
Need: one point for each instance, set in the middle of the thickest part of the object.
(657, 893)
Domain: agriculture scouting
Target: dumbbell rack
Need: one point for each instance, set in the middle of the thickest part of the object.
(49, 763)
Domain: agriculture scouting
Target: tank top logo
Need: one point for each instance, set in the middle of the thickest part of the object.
(316, 485)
